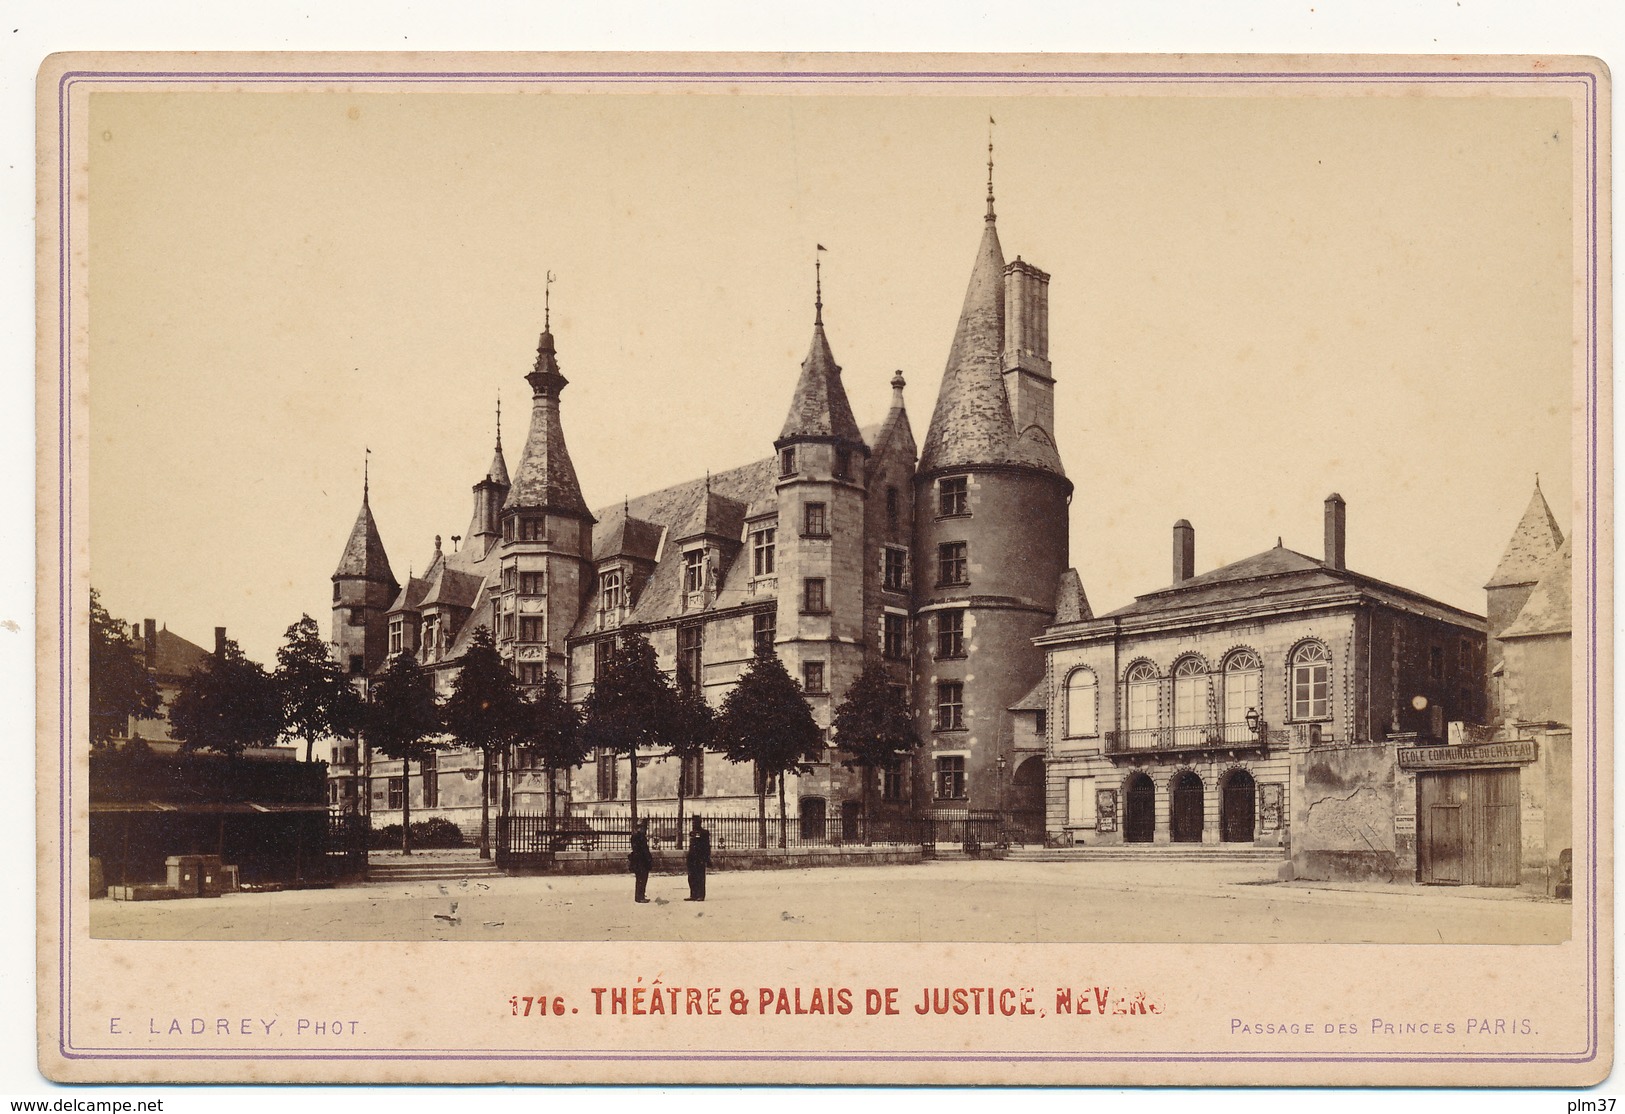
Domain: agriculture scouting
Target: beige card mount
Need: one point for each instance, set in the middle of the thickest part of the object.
(1329, 804)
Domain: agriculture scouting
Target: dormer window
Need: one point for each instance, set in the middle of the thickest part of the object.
(762, 546)
(611, 589)
(787, 462)
(694, 570)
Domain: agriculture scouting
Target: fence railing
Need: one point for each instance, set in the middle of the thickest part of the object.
(348, 836)
(1199, 736)
(535, 839)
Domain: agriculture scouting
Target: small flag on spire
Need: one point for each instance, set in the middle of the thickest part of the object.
(821, 247)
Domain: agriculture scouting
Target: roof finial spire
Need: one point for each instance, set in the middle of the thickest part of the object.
(366, 473)
(499, 419)
(547, 304)
(818, 287)
(990, 168)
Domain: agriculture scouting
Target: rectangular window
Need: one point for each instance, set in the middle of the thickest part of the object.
(952, 497)
(812, 676)
(694, 775)
(397, 636)
(606, 776)
(431, 786)
(1042, 723)
(1142, 705)
(952, 563)
(764, 626)
(1310, 690)
(532, 628)
(951, 778)
(694, 570)
(787, 462)
(1436, 662)
(814, 523)
(609, 589)
(895, 636)
(532, 672)
(843, 464)
(950, 634)
(603, 652)
(1466, 659)
(507, 625)
(533, 528)
(891, 783)
(812, 595)
(950, 706)
(894, 572)
(510, 578)
(396, 792)
(533, 584)
(358, 664)
(689, 638)
(762, 544)
(507, 529)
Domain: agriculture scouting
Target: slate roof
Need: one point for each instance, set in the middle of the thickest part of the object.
(1281, 576)
(174, 656)
(1071, 605)
(972, 423)
(410, 597)
(545, 477)
(819, 407)
(1533, 542)
(620, 536)
(894, 433)
(363, 554)
(499, 467)
(1548, 610)
(716, 516)
(1034, 701)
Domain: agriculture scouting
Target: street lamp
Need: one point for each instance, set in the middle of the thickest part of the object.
(1257, 724)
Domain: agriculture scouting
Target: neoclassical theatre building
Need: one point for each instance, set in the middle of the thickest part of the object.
(843, 542)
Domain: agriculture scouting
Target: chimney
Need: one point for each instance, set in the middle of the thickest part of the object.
(149, 640)
(1184, 551)
(1336, 531)
(220, 641)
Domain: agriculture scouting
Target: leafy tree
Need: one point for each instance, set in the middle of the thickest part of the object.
(553, 730)
(401, 719)
(632, 706)
(318, 701)
(120, 685)
(765, 720)
(690, 734)
(228, 704)
(485, 712)
(873, 725)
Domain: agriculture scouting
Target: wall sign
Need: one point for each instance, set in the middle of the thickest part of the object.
(1270, 796)
(1470, 754)
(1105, 810)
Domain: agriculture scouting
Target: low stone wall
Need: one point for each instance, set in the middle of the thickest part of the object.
(672, 862)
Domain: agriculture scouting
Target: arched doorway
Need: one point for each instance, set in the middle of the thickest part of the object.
(1026, 801)
(812, 818)
(1238, 807)
(1140, 811)
(1185, 808)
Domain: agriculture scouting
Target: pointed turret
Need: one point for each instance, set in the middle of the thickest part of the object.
(896, 432)
(363, 588)
(364, 557)
(545, 478)
(1533, 542)
(489, 495)
(819, 408)
(498, 472)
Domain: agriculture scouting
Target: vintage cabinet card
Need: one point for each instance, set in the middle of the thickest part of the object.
(754, 479)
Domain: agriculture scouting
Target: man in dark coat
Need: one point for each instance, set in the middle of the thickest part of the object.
(640, 860)
(699, 857)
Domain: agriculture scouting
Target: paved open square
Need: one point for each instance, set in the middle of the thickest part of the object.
(979, 900)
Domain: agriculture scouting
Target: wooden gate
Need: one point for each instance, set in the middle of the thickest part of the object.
(1140, 815)
(1238, 808)
(1468, 828)
(1185, 808)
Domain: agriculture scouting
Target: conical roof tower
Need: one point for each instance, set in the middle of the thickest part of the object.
(545, 478)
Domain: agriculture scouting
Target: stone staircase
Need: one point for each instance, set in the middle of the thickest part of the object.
(430, 866)
(1149, 852)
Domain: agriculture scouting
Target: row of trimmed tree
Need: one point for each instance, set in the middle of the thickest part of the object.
(231, 703)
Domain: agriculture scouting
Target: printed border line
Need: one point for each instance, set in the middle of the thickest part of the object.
(70, 80)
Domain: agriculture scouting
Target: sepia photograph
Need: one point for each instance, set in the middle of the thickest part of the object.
(766, 529)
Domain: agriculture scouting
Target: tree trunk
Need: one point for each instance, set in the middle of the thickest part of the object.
(485, 802)
(782, 820)
(310, 748)
(406, 807)
(632, 779)
(868, 829)
(552, 799)
(682, 763)
(761, 809)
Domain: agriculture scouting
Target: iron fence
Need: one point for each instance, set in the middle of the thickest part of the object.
(529, 839)
(348, 836)
(1199, 736)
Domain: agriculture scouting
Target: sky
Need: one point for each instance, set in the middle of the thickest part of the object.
(1256, 300)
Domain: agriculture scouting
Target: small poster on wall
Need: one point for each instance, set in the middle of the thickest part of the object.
(1105, 810)
(1270, 795)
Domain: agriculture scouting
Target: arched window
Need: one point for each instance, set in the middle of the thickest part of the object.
(1311, 682)
(1243, 679)
(1190, 699)
(1142, 696)
(1082, 704)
